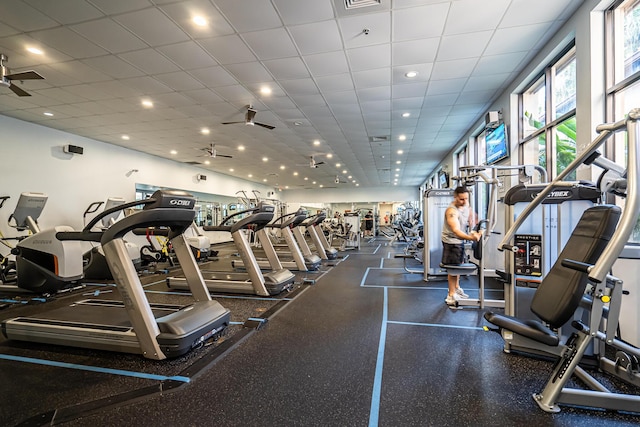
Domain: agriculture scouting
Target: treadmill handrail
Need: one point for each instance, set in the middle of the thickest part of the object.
(177, 220)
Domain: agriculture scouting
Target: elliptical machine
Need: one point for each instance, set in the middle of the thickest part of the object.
(44, 264)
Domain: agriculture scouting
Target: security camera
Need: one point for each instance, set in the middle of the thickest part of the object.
(337, 180)
(365, 31)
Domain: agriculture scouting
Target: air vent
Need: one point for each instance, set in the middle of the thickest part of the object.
(383, 138)
(352, 4)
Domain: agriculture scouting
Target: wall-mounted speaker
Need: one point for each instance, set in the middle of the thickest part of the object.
(73, 149)
(492, 119)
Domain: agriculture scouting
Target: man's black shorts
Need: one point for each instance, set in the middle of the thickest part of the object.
(452, 254)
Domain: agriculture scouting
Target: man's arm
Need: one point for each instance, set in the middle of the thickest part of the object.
(451, 216)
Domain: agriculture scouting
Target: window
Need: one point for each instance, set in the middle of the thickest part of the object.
(623, 77)
(547, 112)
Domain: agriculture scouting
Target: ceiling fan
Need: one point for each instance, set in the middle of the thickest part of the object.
(213, 153)
(248, 119)
(6, 79)
(312, 163)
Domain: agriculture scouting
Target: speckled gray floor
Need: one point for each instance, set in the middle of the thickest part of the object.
(315, 364)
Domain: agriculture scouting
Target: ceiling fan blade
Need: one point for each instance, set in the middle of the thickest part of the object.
(231, 123)
(225, 155)
(27, 75)
(319, 163)
(264, 125)
(18, 91)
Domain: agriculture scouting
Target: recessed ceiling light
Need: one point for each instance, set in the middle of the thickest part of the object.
(48, 114)
(173, 152)
(265, 90)
(398, 162)
(35, 50)
(397, 175)
(125, 137)
(400, 152)
(338, 165)
(402, 137)
(264, 179)
(357, 185)
(297, 123)
(406, 114)
(314, 183)
(207, 162)
(316, 142)
(265, 159)
(306, 179)
(350, 176)
(329, 156)
(295, 174)
(147, 103)
(200, 21)
(250, 175)
(321, 185)
(205, 131)
(411, 74)
(230, 169)
(397, 169)
(240, 147)
(282, 167)
(344, 171)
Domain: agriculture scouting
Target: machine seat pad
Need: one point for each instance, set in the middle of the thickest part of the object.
(533, 329)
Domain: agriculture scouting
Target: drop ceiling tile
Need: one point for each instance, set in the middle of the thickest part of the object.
(188, 55)
(182, 13)
(468, 16)
(419, 22)
(507, 62)
(294, 12)
(300, 87)
(109, 35)
(413, 103)
(146, 85)
(335, 83)
(307, 39)
(374, 94)
(453, 69)
(80, 72)
(113, 67)
(372, 78)
(149, 61)
(440, 87)
(250, 72)
(329, 63)
(523, 12)
(287, 68)
(228, 49)
(409, 90)
(152, 26)
(495, 82)
(249, 15)
(67, 11)
(179, 81)
(24, 17)
(203, 96)
(112, 7)
(235, 93)
(509, 40)
(271, 44)
(378, 24)
(424, 73)
(214, 77)
(463, 45)
(415, 51)
(348, 98)
(68, 42)
(370, 57)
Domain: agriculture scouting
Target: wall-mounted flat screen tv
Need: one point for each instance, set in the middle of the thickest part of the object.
(497, 145)
(443, 179)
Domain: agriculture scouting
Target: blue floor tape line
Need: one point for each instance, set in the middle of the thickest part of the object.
(436, 325)
(95, 369)
(374, 414)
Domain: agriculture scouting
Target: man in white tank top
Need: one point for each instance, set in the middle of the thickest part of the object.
(457, 220)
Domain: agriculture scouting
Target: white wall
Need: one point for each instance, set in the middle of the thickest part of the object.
(351, 195)
(33, 161)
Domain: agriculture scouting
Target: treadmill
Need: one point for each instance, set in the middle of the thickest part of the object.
(318, 238)
(157, 331)
(274, 256)
(253, 281)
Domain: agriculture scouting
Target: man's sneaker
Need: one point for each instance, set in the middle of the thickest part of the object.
(451, 300)
(460, 293)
